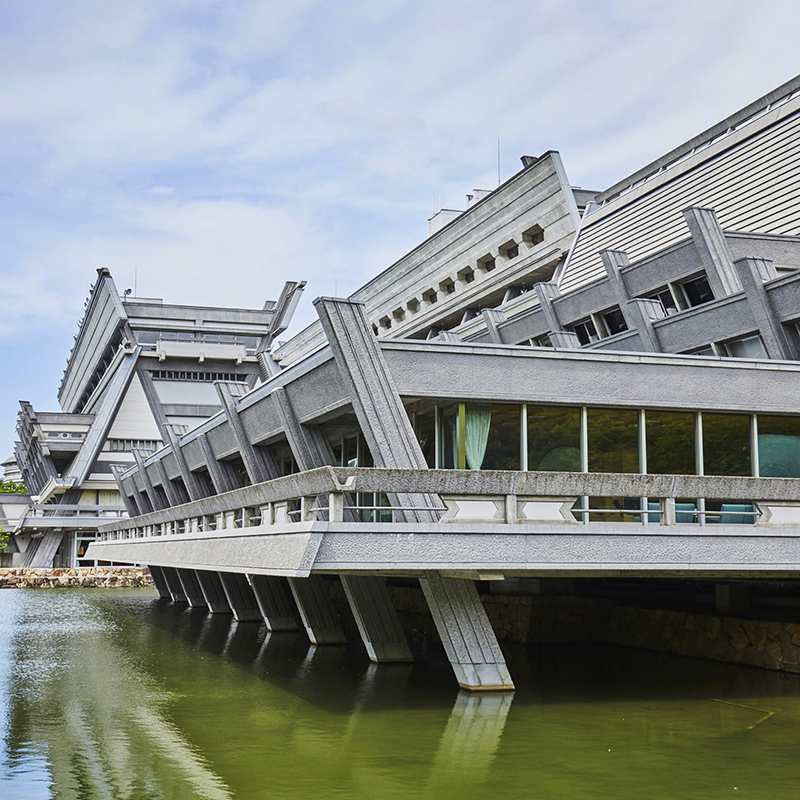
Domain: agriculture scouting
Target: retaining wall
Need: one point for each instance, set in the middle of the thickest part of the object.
(79, 577)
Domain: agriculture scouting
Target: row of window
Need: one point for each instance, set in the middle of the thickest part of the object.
(673, 298)
(572, 439)
(128, 445)
(508, 251)
(188, 375)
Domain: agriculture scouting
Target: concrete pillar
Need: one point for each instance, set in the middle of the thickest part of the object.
(376, 618)
(145, 477)
(219, 476)
(492, 317)
(169, 489)
(240, 597)
(189, 480)
(466, 633)
(752, 273)
(275, 606)
(713, 250)
(309, 446)
(259, 468)
(173, 584)
(191, 588)
(546, 293)
(316, 610)
(159, 581)
(214, 594)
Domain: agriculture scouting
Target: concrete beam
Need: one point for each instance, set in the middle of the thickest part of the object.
(376, 618)
(466, 633)
(273, 602)
(189, 479)
(159, 581)
(174, 584)
(214, 594)
(715, 256)
(307, 442)
(316, 610)
(240, 597)
(191, 588)
(216, 470)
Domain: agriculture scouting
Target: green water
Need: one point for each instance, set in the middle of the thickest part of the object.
(113, 694)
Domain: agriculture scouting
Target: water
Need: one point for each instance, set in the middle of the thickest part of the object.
(113, 694)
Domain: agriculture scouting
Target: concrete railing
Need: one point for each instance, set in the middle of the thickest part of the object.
(57, 516)
(353, 496)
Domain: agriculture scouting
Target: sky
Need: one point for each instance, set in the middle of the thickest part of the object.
(205, 152)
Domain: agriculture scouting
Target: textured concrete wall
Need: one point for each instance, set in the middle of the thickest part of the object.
(562, 619)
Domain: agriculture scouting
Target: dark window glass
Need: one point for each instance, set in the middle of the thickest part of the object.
(667, 301)
(697, 291)
(778, 447)
(351, 452)
(671, 443)
(448, 454)
(726, 444)
(503, 437)
(489, 264)
(585, 331)
(426, 436)
(513, 251)
(615, 322)
(554, 438)
(609, 509)
(613, 439)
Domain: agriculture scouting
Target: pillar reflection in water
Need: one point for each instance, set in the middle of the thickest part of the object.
(469, 743)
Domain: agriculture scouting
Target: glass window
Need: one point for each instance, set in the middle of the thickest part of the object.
(426, 435)
(613, 439)
(750, 347)
(667, 301)
(554, 438)
(726, 444)
(448, 439)
(671, 443)
(503, 442)
(585, 331)
(697, 291)
(615, 322)
(778, 447)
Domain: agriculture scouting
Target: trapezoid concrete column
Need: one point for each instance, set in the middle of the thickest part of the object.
(240, 597)
(273, 602)
(376, 618)
(713, 250)
(316, 610)
(191, 588)
(174, 584)
(466, 633)
(146, 480)
(214, 594)
(159, 581)
(216, 470)
(258, 469)
(169, 489)
(189, 480)
(309, 446)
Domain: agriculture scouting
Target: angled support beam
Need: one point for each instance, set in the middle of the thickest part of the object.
(159, 581)
(375, 399)
(316, 610)
(174, 585)
(215, 469)
(376, 618)
(259, 469)
(189, 479)
(191, 588)
(273, 602)
(466, 633)
(240, 597)
(169, 489)
(116, 471)
(307, 442)
(146, 480)
(713, 250)
(151, 395)
(752, 273)
(214, 594)
(492, 318)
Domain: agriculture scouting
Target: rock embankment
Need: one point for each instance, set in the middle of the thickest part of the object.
(80, 577)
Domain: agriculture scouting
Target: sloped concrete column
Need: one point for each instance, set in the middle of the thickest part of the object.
(174, 584)
(189, 480)
(191, 588)
(240, 597)
(713, 250)
(216, 470)
(376, 618)
(214, 594)
(159, 581)
(316, 610)
(466, 633)
(275, 606)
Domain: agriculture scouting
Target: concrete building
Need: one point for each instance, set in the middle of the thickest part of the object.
(555, 384)
(139, 373)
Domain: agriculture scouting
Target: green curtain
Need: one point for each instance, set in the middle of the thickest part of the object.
(476, 425)
(778, 456)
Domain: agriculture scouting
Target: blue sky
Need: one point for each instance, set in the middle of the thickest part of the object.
(219, 149)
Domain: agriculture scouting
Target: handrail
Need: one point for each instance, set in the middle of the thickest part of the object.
(340, 480)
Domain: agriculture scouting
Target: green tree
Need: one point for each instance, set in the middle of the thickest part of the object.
(4, 537)
(12, 487)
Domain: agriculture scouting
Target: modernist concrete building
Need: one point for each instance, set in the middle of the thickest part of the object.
(555, 384)
(140, 372)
